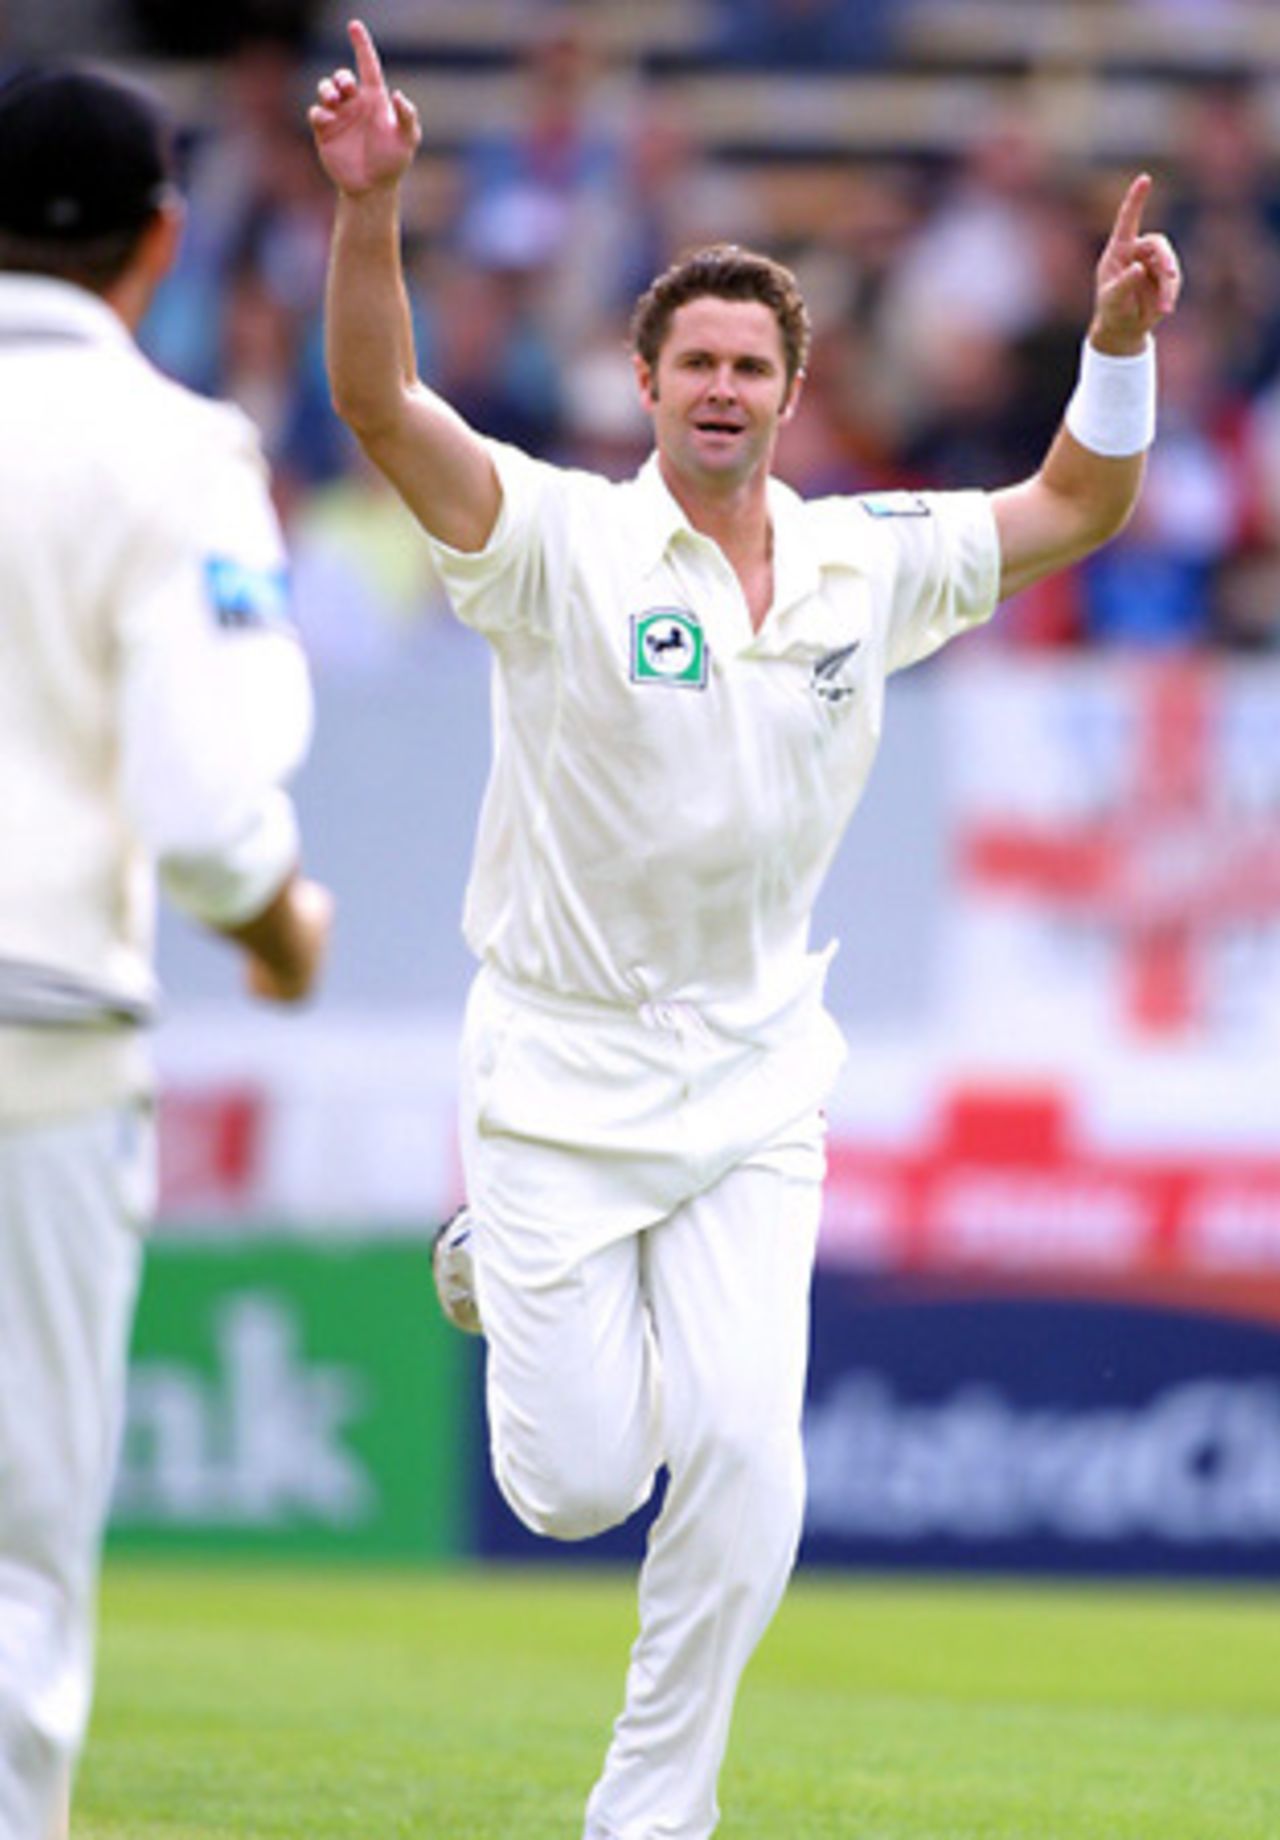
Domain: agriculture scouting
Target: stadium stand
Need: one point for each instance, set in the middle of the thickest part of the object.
(572, 149)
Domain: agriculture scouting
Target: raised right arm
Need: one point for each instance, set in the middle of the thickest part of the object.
(366, 138)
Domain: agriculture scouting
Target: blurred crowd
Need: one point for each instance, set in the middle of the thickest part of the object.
(949, 296)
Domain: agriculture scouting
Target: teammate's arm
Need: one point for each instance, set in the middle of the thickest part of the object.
(1080, 498)
(366, 138)
(285, 945)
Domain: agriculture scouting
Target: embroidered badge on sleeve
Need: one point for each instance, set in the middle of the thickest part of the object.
(243, 597)
(895, 505)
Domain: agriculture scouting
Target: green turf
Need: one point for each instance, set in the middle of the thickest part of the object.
(475, 1706)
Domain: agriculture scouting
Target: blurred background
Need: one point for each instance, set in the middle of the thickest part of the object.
(1047, 1311)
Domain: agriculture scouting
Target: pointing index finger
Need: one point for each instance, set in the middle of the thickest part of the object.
(1128, 222)
(368, 63)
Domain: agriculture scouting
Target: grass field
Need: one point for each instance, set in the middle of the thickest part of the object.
(475, 1706)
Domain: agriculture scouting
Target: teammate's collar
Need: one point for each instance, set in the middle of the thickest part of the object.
(58, 309)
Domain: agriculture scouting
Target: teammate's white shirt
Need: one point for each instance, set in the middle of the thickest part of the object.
(668, 787)
(152, 695)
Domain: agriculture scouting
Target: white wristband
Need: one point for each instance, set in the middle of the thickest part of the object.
(1113, 408)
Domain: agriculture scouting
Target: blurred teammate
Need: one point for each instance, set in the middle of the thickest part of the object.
(152, 699)
(690, 672)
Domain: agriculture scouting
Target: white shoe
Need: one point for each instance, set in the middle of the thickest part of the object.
(454, 1272)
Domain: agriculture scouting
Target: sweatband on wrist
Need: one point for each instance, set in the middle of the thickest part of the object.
(1113, 407)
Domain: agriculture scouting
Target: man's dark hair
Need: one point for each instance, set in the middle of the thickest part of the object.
(726, 272)
(85, 164)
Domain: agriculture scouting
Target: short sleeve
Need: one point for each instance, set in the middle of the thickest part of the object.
(215, 697)
(942, 552)
(517, 582)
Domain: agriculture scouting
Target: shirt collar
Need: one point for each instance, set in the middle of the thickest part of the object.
(796, 566)
(797, 554)
(36, 307)
(660, 515)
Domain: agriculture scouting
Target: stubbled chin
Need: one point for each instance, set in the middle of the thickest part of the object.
(719, 449)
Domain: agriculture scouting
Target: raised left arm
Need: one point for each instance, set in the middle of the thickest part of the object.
(1089, 482)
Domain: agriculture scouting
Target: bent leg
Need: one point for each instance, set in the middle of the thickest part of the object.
(69, 1265)
(571, 1387)
(729, 1278)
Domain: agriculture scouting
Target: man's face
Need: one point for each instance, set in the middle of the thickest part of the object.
(718, 393)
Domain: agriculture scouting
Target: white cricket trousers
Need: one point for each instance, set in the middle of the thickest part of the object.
(687, 1344)
(645, 1187)
(73, 1197)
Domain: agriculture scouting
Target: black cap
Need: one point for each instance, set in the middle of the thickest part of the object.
(81, 156)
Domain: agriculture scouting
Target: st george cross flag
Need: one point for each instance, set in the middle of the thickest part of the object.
(1115, 853)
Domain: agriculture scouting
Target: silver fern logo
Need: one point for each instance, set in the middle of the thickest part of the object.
(833, 679)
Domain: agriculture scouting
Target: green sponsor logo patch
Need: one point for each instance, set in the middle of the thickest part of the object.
(668, 647)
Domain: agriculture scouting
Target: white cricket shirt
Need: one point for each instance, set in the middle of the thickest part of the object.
(152, 693)
(668, 787)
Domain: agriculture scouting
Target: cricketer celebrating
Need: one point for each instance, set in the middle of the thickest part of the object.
(689, 678)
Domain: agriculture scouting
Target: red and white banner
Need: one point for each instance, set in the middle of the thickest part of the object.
(313, 1124)
(1115, 852)
(1023, 1180)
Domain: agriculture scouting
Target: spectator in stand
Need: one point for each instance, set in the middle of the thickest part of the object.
(541, 171)
(1246, 601)
(1046, 350)
(240, 316)
(283, 223)
(660, 196)
(972, 265)
(847, 275)
(271, 365)
(969, 411)
(604, 427)
(484, 346)
(226, 159)
(1227, 216)
(1246, 598)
